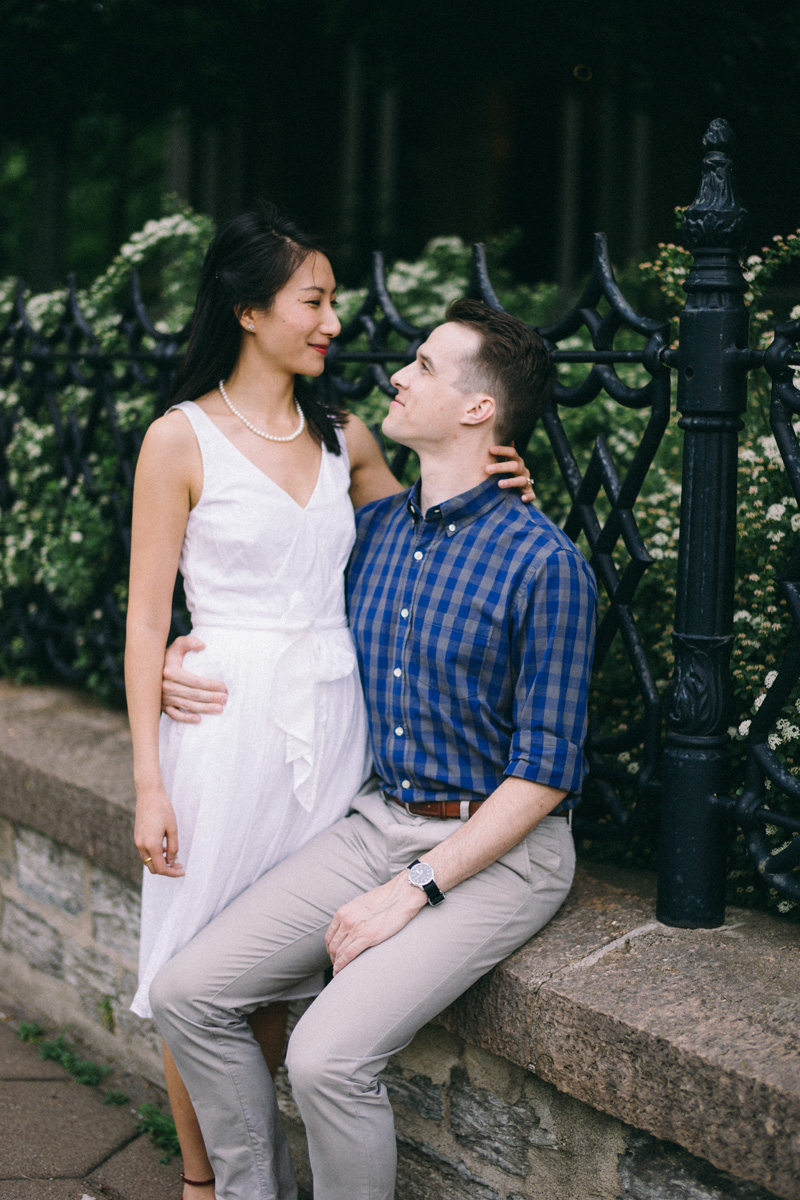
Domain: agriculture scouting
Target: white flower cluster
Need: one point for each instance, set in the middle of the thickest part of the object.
(58, 536)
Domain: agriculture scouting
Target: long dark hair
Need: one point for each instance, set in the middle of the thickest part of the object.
(252, 257)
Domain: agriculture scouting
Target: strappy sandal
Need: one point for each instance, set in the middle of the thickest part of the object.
(197, 1182)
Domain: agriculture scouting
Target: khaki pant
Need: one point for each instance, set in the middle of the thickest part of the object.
(273, 936)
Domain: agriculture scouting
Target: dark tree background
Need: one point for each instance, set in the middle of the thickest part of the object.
(385, 124)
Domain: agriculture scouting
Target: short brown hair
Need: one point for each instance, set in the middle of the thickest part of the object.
(512, 366)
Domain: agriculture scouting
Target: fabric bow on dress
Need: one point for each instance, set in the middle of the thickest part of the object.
(307, 659)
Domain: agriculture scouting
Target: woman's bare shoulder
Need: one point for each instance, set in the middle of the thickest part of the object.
(170, 444)
(173, 430)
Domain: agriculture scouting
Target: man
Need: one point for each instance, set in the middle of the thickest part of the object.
(474, 623)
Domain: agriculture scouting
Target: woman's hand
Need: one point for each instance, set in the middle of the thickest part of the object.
(519, 476)
(156, 833)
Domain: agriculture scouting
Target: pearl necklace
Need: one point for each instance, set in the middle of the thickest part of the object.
(270, 437)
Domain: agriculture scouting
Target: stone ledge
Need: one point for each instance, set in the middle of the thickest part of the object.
(690, 1035)
(66, 770)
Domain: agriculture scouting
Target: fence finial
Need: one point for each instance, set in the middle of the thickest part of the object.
(715, 217)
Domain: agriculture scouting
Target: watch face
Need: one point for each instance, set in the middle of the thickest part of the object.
(420, 874)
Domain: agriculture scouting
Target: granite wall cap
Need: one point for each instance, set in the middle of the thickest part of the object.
(66, 771)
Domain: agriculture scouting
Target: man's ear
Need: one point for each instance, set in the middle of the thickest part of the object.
(480, 409)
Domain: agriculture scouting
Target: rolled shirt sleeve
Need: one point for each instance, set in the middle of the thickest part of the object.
(553, 641)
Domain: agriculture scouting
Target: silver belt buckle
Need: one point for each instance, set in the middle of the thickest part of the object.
(464, 810)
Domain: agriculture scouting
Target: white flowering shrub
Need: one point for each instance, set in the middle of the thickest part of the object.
(60, 540)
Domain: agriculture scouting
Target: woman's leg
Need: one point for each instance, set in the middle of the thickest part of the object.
(269, 939)
(193, 1150)
(269, 1028)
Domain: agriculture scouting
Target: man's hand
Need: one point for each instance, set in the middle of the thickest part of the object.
(371, 919)
(185, 696)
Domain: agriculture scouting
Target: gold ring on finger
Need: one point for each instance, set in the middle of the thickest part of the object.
(147, 860)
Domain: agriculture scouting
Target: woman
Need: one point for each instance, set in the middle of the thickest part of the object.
(247, 483)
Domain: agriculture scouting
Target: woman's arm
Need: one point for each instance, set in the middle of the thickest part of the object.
(371, 479)
(168, 481)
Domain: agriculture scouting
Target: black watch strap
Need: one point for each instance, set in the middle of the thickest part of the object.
(435, 896)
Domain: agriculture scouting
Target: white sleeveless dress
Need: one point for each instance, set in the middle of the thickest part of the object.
(264, 581)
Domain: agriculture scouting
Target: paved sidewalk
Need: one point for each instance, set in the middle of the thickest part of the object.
(59, 1141)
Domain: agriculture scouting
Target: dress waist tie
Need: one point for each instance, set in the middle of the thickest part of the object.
(306, 659)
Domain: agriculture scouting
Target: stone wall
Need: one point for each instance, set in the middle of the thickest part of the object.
(69, 940)
(471, 1126)
(608, 1058)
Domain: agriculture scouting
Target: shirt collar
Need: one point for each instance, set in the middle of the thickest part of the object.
(458, 510)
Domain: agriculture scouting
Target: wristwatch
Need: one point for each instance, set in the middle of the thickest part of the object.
(420, 874)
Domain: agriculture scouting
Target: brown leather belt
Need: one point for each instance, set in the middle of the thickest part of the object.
(444, 810)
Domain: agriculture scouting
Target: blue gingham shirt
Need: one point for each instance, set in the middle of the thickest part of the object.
(474, 626)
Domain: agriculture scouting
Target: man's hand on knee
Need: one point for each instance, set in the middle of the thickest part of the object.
(371, 919)
(185, 696)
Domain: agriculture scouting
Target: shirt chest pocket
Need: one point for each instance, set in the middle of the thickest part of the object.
(463, 646)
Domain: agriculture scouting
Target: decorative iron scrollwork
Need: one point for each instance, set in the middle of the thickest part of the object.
(606, 538)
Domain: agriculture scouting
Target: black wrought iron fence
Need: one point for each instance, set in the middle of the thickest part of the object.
(63, 380)
(681, 746)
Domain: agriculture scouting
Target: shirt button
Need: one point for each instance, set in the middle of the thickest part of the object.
(405, 784)
(418, 555)
(451, 528)
(397, 672)
(404, 612)
(399, 731)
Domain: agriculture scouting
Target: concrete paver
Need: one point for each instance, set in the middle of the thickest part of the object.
(44, 1189)
(136, 1172)
(59, 1141)
(52, 1129)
